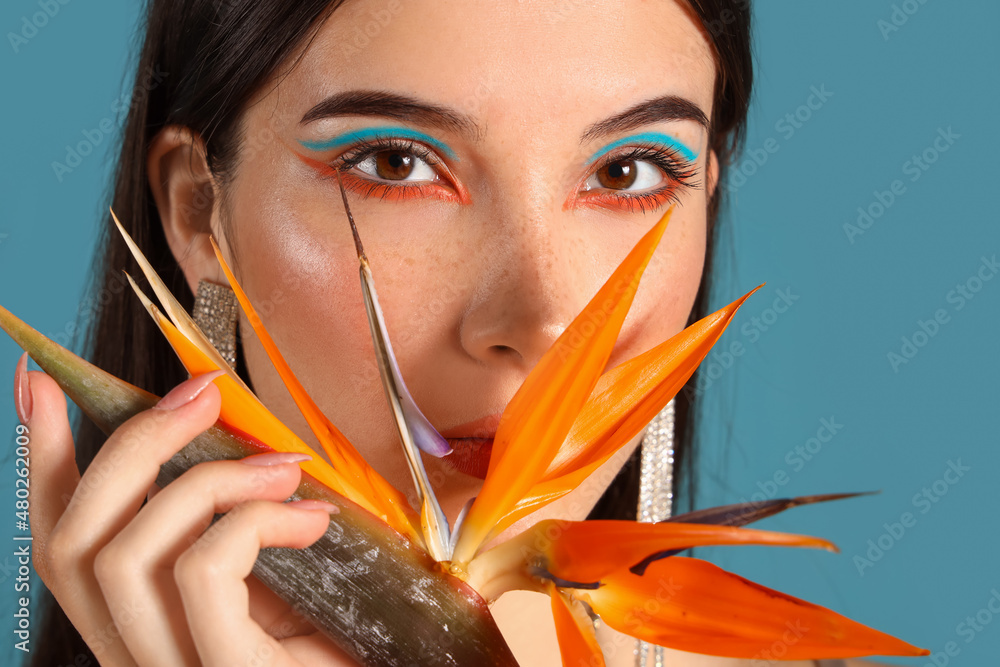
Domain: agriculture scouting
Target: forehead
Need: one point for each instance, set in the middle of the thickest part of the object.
(527, 63)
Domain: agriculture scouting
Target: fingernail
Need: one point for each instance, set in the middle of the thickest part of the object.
(22, 390)
(311, 504)
(275, 458)
(187, 391)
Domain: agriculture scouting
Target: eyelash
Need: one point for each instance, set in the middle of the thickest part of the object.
(367, 187)
(678, 170)
(680, 173)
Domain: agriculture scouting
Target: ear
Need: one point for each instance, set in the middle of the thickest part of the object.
(713, 173)
(188, 198)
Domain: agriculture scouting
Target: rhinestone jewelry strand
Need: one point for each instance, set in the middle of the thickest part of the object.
(656, 494)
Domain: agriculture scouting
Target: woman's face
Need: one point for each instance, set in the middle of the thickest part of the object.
(522, 149)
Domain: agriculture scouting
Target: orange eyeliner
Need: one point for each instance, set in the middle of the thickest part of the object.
(374, 189)
(622, 203)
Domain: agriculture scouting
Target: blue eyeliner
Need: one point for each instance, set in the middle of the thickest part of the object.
(378, 133)
(649, 137)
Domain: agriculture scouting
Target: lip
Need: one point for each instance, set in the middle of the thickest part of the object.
(484, 427)
(472, 445)
(470, 455)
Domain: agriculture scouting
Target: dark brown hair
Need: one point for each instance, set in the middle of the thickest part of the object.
(200, 62)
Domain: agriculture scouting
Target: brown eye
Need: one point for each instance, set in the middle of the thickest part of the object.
(627, 175)
(393, 165)
(619, 175)
(396, 164)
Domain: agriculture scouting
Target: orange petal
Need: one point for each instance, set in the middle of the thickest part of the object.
(173, 309)
(624, 401)
(691, 605)
(541, 413)
(628, 396)
(587, 551)
(244, 412)
(577, 640)
(241, 409)
(345, 458)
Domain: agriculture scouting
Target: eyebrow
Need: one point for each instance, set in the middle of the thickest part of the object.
(658, 109)
(392, 105)
(402, 107)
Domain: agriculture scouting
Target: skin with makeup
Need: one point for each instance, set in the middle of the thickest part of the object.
(500, 162)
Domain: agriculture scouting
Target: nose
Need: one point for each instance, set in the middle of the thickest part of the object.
(533, 280)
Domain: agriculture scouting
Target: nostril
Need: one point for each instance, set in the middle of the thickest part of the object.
(504, 352)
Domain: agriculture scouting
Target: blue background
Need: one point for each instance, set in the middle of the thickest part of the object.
(850, 296)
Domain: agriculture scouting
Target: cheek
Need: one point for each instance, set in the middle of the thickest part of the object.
(302, 280)
(683, 267)
(669, 284)
(305, 287)
(299, 265)
(302, 276)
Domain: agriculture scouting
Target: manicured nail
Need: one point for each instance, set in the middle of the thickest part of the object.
(275, 458)
(187, 391)
(22, 390)
(314, 505)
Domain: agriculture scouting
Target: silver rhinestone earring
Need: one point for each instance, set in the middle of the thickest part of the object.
(216, 312)
(656, 494)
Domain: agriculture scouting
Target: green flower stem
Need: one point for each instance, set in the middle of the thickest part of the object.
(382, 599)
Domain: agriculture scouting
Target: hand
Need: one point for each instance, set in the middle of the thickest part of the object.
(155, 584)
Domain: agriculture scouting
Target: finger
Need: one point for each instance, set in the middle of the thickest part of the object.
(277, 617)
(136, 568)
(53, 478)
(317, 649)
(114, 485)
(53, 474)
(153, 490)
(210, 577)
(181, 512)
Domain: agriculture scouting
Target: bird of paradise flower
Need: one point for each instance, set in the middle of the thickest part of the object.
(566, 420)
